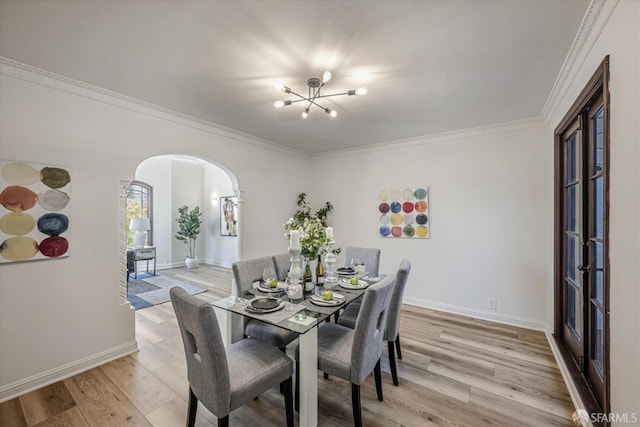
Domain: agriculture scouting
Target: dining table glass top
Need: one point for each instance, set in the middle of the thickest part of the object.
(300, 315)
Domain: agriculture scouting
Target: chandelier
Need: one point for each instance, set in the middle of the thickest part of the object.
(314, 85)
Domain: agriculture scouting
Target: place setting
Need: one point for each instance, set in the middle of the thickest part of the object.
(327, 298)
(353, 283)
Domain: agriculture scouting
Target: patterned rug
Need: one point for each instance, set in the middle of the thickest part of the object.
(154, 290)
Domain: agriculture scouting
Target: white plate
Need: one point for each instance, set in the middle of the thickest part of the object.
(324, 303)
(267, 290)
(346, 284)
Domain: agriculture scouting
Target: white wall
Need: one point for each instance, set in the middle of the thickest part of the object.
(487, 205)
(220, 250)
(620, 39)
(58, 316)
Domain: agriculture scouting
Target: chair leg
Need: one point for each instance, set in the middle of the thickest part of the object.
(378, 376)
(297, 391)
(223, 422)
(325, 375)
(398, 347)
(357, 409)
(392, 362)
(193, 407)
(284, 350)
(288, 400)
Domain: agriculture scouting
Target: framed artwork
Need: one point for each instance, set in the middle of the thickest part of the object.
(229, 216)
(404, 213)
(34, 211)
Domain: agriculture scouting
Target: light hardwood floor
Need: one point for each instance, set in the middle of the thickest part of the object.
(455, 371)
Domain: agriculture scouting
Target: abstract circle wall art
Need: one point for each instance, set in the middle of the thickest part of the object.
(403, 213)
(34, 211)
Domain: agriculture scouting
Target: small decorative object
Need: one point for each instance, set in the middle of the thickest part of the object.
(141, 225)
(34, 211)
(189, 223)
(229, 216)
(404, 213)
(292, 285)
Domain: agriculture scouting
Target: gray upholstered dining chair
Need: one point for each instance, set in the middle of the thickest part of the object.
(282, 263)
(369, 256)
(352, 354)
(245, 273)
(392, 330)
(226, 379)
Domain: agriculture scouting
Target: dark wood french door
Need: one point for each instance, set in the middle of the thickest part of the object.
(581, 249)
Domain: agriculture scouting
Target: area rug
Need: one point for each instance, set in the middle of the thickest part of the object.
(154, 290)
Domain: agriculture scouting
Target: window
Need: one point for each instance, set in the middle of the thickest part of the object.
(139, 205)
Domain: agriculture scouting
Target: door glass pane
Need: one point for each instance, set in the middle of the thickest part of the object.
(571, 158)
(598, 141)
(597, 335)
(573, 309)
(599, 279)
(571, 213)
(572, 258)
(598, 206)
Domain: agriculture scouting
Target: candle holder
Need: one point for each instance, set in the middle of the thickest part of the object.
(295, 270)
(330, 276)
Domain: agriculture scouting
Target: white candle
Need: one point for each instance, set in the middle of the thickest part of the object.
(295, 239)
(329, 233)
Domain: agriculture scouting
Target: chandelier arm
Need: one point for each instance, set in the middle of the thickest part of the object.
(333, 94)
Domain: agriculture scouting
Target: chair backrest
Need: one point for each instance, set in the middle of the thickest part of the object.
(247, 271)
(369, 256)
(369, 329)
(207, 369)
(282, 262)
(393, 317)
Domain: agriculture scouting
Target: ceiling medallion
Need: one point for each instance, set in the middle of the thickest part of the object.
(314, 85)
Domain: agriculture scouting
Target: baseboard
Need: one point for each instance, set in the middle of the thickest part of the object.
(479, 314)
(51, 376)
(574, 394)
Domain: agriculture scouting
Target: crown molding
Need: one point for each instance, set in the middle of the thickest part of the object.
(594, 21)
(457, 135)
(29, 73)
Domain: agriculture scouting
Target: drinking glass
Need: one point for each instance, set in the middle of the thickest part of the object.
(357, 265)
(291, 287)
(268, 275)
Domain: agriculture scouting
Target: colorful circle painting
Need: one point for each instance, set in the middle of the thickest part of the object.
(405, 212)
(34, 211)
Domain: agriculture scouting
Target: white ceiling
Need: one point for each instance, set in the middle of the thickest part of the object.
(430, 66)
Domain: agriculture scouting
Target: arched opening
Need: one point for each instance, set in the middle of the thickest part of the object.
(178, 180)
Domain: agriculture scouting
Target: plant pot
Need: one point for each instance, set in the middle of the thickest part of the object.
(191, 262)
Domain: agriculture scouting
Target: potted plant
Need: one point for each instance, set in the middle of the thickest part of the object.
(189, 223)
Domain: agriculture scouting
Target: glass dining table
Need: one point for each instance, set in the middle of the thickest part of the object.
(302, 317)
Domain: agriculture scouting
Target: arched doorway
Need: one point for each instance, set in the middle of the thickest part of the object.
(179, 180)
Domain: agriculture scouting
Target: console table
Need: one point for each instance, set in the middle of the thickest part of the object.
(148, 253)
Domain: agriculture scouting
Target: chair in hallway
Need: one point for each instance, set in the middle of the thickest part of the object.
(226, 379)
(352, 354)
(392, 330)
(245, 273)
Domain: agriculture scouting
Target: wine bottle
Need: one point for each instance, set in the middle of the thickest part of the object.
(308, 278)
(319, 272)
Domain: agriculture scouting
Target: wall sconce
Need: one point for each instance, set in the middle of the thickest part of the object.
(214, 199)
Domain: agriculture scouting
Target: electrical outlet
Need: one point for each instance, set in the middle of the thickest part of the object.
(493, 304)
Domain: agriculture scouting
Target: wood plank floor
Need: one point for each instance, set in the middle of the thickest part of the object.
(455, 371)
